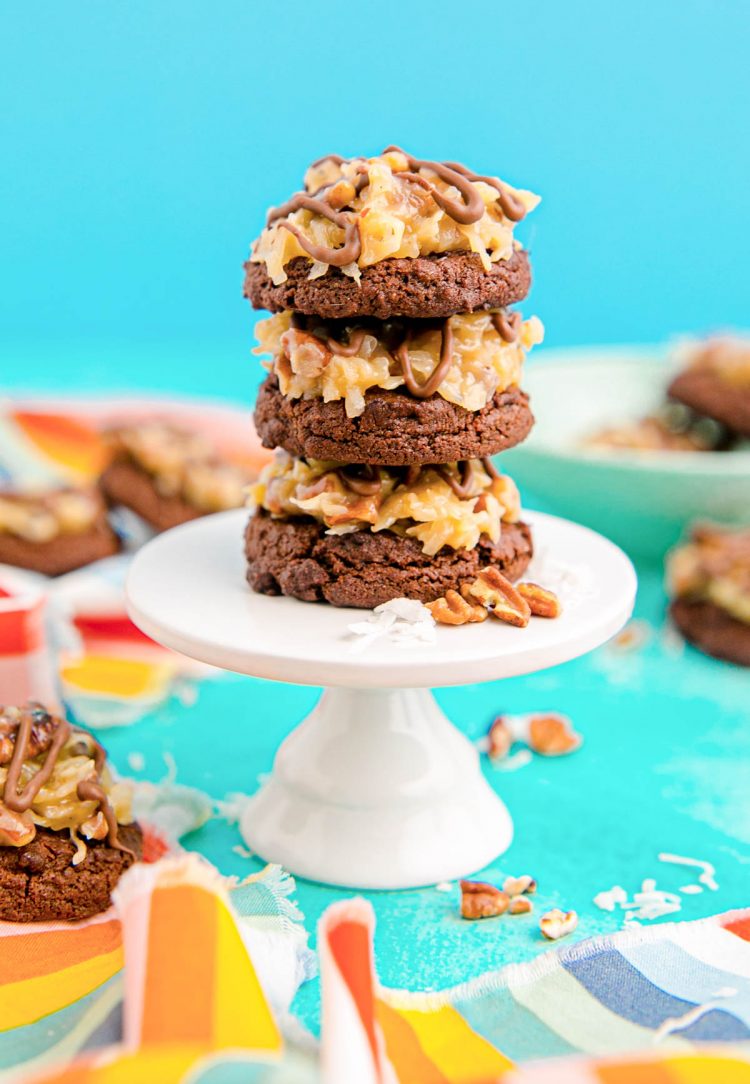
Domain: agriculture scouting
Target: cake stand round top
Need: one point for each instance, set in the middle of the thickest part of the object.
(187, 590)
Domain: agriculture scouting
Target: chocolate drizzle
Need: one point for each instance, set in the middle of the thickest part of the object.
(32, 717)
(337, 257)
(91, 790)
(337, 159)
(507, 325)
(462, 485)
(356, 338)
(19, 802)
(466, 209)
(510, 204)
(439, 373)
(471, 206)
(366, 483)
(490, 467)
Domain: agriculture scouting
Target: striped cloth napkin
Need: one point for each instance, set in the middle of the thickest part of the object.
(668, 1005)
(168, 964)
(676, 991)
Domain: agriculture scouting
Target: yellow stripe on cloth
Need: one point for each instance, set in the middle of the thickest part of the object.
(165, 1063)
(29, 1000)
(698, 1069)
(242, 1017)
(189, 977)
(451, 1050)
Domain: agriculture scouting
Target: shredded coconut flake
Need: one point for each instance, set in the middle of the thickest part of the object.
(650, 903)
(707, 876)
(572, 584)
(515, 761)
(611, 898)
(402, 621)
(444, 886)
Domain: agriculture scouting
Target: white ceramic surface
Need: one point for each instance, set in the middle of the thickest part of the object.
(187, 590)
(376, 788)
(642, 500)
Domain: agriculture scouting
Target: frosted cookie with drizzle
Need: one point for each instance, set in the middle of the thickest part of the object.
(709, 580)
(55, 531)
(168, 475)
(392, 235)
(398, 392)
(66, 827)
(715, 381)
(359, 536)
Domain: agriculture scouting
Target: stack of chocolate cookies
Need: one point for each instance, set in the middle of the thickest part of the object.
(394, 364)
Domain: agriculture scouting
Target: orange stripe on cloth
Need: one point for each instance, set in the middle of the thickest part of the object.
(70, 442)
(404, 1049)
(740, 927)
(35, 954)
(179, 994)
(653, 1072)
(350, 946)
(199, 985)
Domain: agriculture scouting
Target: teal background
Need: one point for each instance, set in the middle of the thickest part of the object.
(141, 144)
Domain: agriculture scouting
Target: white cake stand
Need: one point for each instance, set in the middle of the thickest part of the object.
(375, 788)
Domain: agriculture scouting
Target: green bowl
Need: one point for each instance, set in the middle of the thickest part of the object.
(641, 500)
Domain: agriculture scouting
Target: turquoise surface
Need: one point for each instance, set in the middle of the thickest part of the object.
(664, 767)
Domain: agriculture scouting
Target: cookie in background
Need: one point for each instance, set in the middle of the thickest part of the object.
(708, 579)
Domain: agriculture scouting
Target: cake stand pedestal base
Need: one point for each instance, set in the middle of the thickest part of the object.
(377, 789)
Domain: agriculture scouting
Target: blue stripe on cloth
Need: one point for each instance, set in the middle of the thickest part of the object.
(518, 1033)
(716, 1026)
(673, 969)
(243, 1068)
(109, 1031)
(613, 981)
(26, 1043)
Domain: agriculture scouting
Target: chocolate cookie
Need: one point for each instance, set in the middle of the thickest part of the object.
(424, 286)
(62, 554)
(125, 483)
(713, 630)
(39, 884)
(706, 393)
(296, 557)
(395, 429)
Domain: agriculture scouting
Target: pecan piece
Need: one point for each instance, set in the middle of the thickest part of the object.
(519, 886)
(455, 610)
(553, 735)
(500, 597)
(499, 739)
(482, 900)
(43, 727)
(542, 602)
(520, 905)
(556, 923)
(16, 829)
